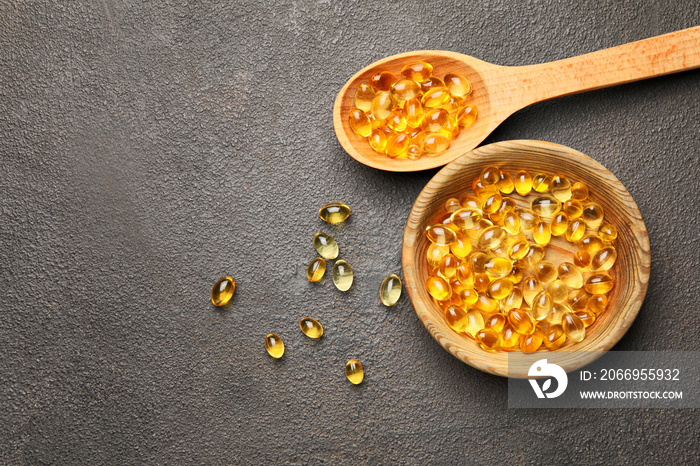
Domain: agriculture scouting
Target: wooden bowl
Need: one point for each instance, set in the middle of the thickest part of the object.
(631, 271)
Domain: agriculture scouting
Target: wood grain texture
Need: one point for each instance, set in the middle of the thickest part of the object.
(631, 272)
(499, 91)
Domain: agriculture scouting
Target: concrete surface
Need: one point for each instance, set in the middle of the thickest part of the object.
(148, 148)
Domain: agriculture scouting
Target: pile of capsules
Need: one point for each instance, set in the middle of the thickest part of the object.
(327, 247)
(490, 275)
(416, 115)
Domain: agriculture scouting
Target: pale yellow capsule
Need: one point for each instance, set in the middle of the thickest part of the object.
(558, 312)
(498, 267)
(590, 243)
(457, 84)
(311, 328)
(467, 116)
(377, 140)
(382, 105)
(436, 97)
(466, 218)
(405, 89)
(514, 300)
(440, 234)
(342, 275)
(486, 304)
(475, 322)
(450, 130)
(434, 144)
(542, 305)
(354, 372)
(528, 219)
(505, 183)
(518, 250)
(364, 94)
(570, 274)
(274, 346)
(511, 223)
(515, 275)
(413, 110)
(325, 245)
(545, 206)
(334, 212)
(468, 296)
(559, 291)
(461, 247)
(316, 269)
(435, 253)
(448, 266)
(573, 327)
(390, 291)
(491, 238)
(560, 188)
(575, 230)
(396, 121)
(531, 288)
(534, 255)
(454, 105)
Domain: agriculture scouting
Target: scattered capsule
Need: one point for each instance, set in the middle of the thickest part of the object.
(431, 83)
(435, 98)
(573, 327)
(523, 183)
(316, 269)
(590, 243)
(560, 188)
(467, 116)
(554, 337)
(434, 144)
(359, 123)
(382, 105)
(541, 233)
(475, 322)
(545, 206)
(364, 95)
(546, 272)
(486, 305)
(559, 224)
(570, 275)
(599, 283)
(559, 291)
(500, 288)
(542, 305)
(607, 232)
(541, 182)
(597, 303)
(521, 321)
(440, 234)
(223, 290)
(498, 267)
(579, 191)
(492, 203)
(496, 322)
(418, 71)
(528, 219)
(396, 121)
(491, 238)
(438, 288)
(457, 84)
(575, 230)
(311, 327)
(488, 339)
(377, 140)
(334, 212)
(510, 339)
(582, 259)
(531, 288)
(397, 145)
(274, 346)
(435, 253)
(531, 343)
(325, 245)
(354, 371)
(405, 89)
(592, 214)
(587, 317)
(383, 81)
(342, 275)
(448, 266)
(514, 300)
(390, 291)
(456, 318)
(518, 250)
(572, 208)
(533, 257)
(578, 299)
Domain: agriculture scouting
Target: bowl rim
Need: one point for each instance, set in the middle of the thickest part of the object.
(489, 362)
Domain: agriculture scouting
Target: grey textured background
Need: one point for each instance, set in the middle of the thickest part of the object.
(146, 149)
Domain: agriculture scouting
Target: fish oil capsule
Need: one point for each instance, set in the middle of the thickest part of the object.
(599, 283)
(456, 318)
(483, 190)
(523, 182)
(462, 247)
(554, 337)
(414, 152)
(542, 305)
(377, 140)
(454, 300)
(592, 214)
(452, 205)
(481, 282)
(382, 105)
(465, 274)
(572, 208)
(454, 105)
(559, 291)
(582, 259)
(492, 203)
(431, 83)
(515, 275)
(334, 212)
(590, 243)
(575, 230)
(475, 322)
(476, 231)
(496, 322)
(354, 372)
(533, 257)
(557, 314)
(507, 205)
(579, 191)
(467, 116)
(541, 182)
(531, 288)
(559, 224)
(468, 296)
(528, 219)
(364, 94)
(573, 327)
(505, 183)
(396, 145)
(597, 303)
(383, 81)
(546, 272)
(521, 321)
(498, 267)
(541, 233)
(456, 287)
(518, 250)
(377, 123)
(396, 121)
(466, 217)
(511, 223)
(470, 202)
(489, 175)
(607, 232)
(545, 206)
(222, 291)
(569, 274)
(587, 317)
(274, 345)
(413, 110)
(434, 120)
(531, 343)
(342, 275)
(491, 238)
(418, 71)
(514, 300)
(316, 269)
(405, 89)
(486, 305)
(440, 234)
(500, 288)
(457, 84)
(325, 245)
(438, 288)
(448, 266)
(450, 130)
(435, 253)
(311, 327)
(436, 97)
(578, 299)
(359, 123)
(561, 188)
(489, 339)
(390, 290)
(434, 144)
(510, 339)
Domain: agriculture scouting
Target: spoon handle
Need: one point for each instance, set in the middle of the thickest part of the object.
(648, 58)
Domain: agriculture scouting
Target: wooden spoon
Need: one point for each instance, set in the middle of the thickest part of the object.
(499, 91)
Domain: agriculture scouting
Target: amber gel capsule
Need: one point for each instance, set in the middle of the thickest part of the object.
(354, 371)
(334, 212)
(274, 345)
(418, 71)
(390, 291)
(316, 269)
(311, 327)
(223, 290)
(364, 95)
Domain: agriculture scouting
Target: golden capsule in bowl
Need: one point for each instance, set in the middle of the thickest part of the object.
(383, 80)
(359, 123)
(417, 71)
(467, 116)
(457, 84)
